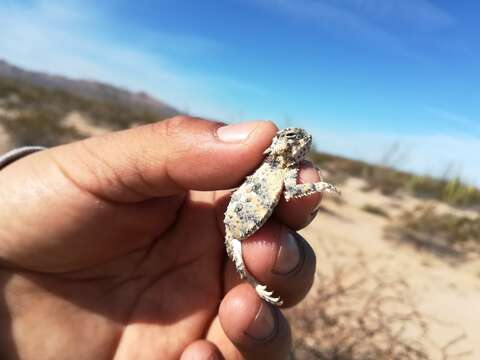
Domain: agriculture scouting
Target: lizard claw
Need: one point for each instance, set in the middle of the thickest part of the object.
(267, 295)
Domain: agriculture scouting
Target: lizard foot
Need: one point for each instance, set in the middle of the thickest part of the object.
(267, 295)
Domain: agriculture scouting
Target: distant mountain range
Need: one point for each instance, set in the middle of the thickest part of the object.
(88, 89)
(44, 109)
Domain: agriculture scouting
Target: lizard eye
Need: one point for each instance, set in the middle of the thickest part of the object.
(291, 135)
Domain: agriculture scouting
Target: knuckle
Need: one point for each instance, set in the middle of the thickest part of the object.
(177, 124)
(172, 126)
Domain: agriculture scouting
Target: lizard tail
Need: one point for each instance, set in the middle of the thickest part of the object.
(234, 250)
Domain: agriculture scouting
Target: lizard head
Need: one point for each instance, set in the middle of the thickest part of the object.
(292, 144)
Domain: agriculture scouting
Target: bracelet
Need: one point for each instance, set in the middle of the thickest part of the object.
(18, 153)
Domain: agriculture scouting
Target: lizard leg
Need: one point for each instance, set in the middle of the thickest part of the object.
(237, 257)
(294, 190)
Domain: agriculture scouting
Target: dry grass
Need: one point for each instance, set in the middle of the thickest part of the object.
(375, 210)
(38, 128)
(450, 189)
(357, 313)
(42, 110)
(444, 234)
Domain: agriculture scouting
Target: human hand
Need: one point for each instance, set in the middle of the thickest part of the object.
(112, 247)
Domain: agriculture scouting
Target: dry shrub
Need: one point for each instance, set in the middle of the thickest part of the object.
(42, 111)
(375, 210)
(389, 181)
(444, 234)
(357, 313)
(450, 189)
(37, 128)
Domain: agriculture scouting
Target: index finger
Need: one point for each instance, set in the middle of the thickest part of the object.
(157, 160)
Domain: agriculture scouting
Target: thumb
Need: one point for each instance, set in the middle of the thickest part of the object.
(164, 158)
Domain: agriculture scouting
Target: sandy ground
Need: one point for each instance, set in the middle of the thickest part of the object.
(83, 124)
(448, 294)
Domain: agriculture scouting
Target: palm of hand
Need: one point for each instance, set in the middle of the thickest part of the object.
(135, 304)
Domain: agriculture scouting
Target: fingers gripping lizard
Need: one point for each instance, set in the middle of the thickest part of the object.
(254, 201)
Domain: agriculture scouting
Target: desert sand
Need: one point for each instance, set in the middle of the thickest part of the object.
(447, 294)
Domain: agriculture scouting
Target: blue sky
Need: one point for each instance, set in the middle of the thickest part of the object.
(361, 75)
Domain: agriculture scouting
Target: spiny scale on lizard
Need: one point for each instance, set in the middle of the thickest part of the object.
(254, 201)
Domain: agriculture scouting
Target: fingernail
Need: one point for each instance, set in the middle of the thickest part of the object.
(289, 257)
(236, 132)
(265, 324)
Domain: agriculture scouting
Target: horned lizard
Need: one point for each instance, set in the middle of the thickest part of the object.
(254, 201)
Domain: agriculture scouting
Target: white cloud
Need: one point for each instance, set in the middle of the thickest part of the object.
(458, 120)
(368, 20)
(423, 15)
(66, 38)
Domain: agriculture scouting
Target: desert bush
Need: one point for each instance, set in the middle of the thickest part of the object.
(458, 193)
(375, 210)
(356, 313)
(383, 178)
(444, 234)
(452, 191)
(42, 111)
(389, 181)
(37, 128)
(338, 164)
